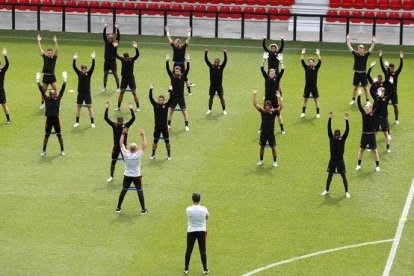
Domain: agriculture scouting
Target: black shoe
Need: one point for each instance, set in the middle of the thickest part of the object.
(118, 210)
(144, 212)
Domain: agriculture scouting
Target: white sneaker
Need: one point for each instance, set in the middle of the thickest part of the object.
(8, 122)
(43, 153)
(352, 102)
(325, 192)
(169, 158)
(397, 122)
(283, 132)
(117, 109)
(185, 271)
(192, 84)
(76, 125)
(358, 167)
(348, 195)
(187, 128)
(103, 89)
(389, 137)
(377, 168)
(118, 90)
(388, 150)
(260, 163)
(152, 157)
(138, 110)
(274, 164)
(318, 115)
(224, 112)
(42, 106)
(259, 131)
(65, 76)
(93, 125)
(169, 126)
(302, 115)
(38, 76)
(62, 153)
(110, 179)
(208, 112)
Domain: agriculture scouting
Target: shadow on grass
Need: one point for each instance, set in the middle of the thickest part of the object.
(48, 158)
(213, 116)
(333, 201)
(79, 130)
(158, 162)
(128, 216)
(306, 121)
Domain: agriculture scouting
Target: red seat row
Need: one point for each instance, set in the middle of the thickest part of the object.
(367, 17)
(286, 3)
(373, 4)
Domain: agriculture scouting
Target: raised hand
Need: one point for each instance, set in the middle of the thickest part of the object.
(281, 36)
(303, 51)
(106, 24)
(141, 132)
(401, 54)
(130, 105)
(152, 85)
(4, 52)
(330, 114)
(206, 49)
(107, 104)
(348, 37)
(55, 39)
(167, 29)
(225, 50)
(39, 38)
(167, 57)
(134, 44)
(346, 116)
(75, 56)
(372, 64)
(254, 91)
(373, 39)
(116, 25)
(318, 52)
(93, 55)
(380, 53)
(265, 55)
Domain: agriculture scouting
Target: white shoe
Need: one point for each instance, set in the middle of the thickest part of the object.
(187, 128)
(208, 112)
(65, 76)
(318, 116)
(103, 89)
(169, 158)
(377, 168)
(224, 112)
(110, 179)
(185, 271)
(93, 125)
(8, 122)
(260, 163)
(43, 153)
(169, 126)
(117, 109)
(302, 115)
(152, 157)
(192, 84)
(397, 122)
(388, 150)
(38, 76)
(76, 125)
(138, 110)
(118, 90)
(42, 106)
(348, 195)
(358, 167)
(283, 132)
(274, 164)
(325, 192)
(62, 153)
(352, 102)
(259, 131)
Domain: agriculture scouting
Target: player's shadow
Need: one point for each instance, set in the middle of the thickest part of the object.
(128, 217)
(333, 201)
(366, 174)
(213, 116)
(109, 187)
(48, 158)
(158, 162)
(265, 169)
(307, 121)
(79, 130)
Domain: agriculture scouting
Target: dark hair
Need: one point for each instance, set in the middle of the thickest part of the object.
(161, 96)
(126, 55)
(196, 197)
(391, 65)
(337, 132)
(268, 103)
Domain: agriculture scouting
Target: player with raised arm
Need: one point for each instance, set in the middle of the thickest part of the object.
(128, 78)
(111, 45)
(273, 51)
(52, 104)
(117, 131)
(132, 171)
(49, 63)
(84, 88)
(337, 148)
(391, 75)
(3, 100)
(267, 134)
(311, 80)
(216, 80)
(177, 80)
(160, 122)
(360, 66)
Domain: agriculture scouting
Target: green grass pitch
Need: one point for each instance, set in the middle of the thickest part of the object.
(57, 213)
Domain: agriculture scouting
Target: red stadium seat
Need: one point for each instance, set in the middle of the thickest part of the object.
(356, 16)
(153, 9)
(47, 5)
(211, 11)
(70, 6)
(224, 12)
(334, 3)
(330, 16)
(383, 4)
(200, 11)
(129, 8)
(343, 15)
(106, 7)
(177, 9)
(248, 12)
(347, 4)
(187, 9)
(260, 13)
(227, 2)
(250, 2)
(408, 5)
(371, 4)
(94, 6)
(119, 7)
(368, 17)
(21, 6)
(395, 4)
(287, 3)
(393, 18)
(359, 4)
(261, 2)
(284, 14)
(381, 17)
(407, 16)
(278, 2)
(236, 12)
(82, 6)
(273, 13)
(35, 3)
(58, 5)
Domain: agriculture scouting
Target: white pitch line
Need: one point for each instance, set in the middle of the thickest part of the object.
(297, 258)
(399, 231)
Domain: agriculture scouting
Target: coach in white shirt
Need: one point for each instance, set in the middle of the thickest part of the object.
(132, 171)
(197, 217)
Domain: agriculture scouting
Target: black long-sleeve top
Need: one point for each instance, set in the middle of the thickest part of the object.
(128, 64)
(271, 84)
(177, 81)
(311, 73)
(368, 120)
(360, 62)
(84, 79)
(273, 62)
(337, 146)
(117, 128)
(49, 64)
(216, 72)
(179, 53)
(52, 104)
(381, 104)
(3, 71)
(394, 75)
(374, 85)
(110, 49)
(160, 112)
(268, 120)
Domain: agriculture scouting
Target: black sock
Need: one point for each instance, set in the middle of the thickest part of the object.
(92, 120)
(137, 103)
(359, 162)
(168, 152)
(353, 98)
(281, 127)
(44, 147)
(61, 148)
(119, 104)
(303, 109)
(223, 106)
(186, 123)
(169, 122)
(189, 89)
(42, 102)
(8, 117)
(377, 163)
(317, 110)
(153, 153)
(261, 157)
(388, 146)
(274, 158)
(141, 199)
(210, 106)
(77, 120)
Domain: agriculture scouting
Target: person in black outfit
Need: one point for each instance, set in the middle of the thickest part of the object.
(160, 122)
(272, 85)
(369, 122)
(3, 100)
(84, 88)
(179, 50)
(52, 103)
(360, 66)
(49, 63)
(177, 80)
(273, 61)
(117, 131)
(392, 76)
(311, 81)
(337, 148)
(111, 46)
(128, 78)
(216, 80)
(267, 134)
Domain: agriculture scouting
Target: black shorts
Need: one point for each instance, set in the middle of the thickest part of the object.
(382, 124)
(49, 79)
(128, 81)
(267, 137)
(2, 96)
(360, 78)
(84, 98)
(336, 166)
(311, 90)
(177, 100)
(368, 140)
(52, 122)
(116, 151)
(164, 132)
(394, 98)
(128, 180)
(216, 89)
(110, 65)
